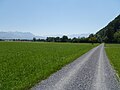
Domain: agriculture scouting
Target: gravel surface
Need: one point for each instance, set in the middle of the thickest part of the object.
(92, 71)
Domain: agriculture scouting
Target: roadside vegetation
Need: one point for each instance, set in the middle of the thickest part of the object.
(113, 52)
(23, 64)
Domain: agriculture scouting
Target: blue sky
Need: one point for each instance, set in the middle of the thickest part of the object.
(51, 17)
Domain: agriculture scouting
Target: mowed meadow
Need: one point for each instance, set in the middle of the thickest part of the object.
(113, 52)
(23, 64)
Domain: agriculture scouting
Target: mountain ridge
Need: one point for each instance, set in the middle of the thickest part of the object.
(16, 35)
(30, 36)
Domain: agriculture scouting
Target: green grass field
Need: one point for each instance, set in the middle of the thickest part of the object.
(23, 64)
(113, 52)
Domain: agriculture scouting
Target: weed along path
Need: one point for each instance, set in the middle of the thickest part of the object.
(92, 71)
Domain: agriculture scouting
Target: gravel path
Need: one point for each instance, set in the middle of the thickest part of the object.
(92, 71)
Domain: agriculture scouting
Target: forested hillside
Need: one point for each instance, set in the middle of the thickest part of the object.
(110, 33)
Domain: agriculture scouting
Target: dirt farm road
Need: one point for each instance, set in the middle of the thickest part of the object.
(92, 71)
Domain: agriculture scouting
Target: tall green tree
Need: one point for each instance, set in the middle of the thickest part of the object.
(92, 38)
(34, 39)
(64, 39)
(117, 37)
(57, 39)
